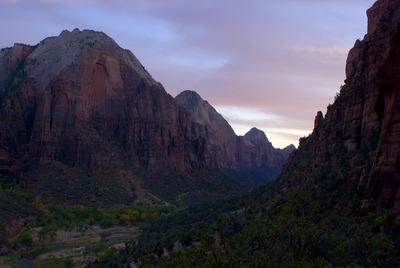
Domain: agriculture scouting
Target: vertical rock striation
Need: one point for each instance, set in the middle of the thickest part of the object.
(212, 138)
(216, 144)
(91, 99)
(80, 99)
(365, 116)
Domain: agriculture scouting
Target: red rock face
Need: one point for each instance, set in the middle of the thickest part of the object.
(257, 151)
(15, 108)
(81, 99)
(368, 106)
(217, 145)
(384, 183)
(382, 100)
(11, 60)
(212, 138)
(93, 99)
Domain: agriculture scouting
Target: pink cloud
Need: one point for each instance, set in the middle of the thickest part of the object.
(283, 59)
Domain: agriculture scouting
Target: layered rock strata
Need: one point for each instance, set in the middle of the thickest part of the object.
(365, 116)
(80, 99)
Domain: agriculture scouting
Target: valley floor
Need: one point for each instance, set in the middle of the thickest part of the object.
(72, 248)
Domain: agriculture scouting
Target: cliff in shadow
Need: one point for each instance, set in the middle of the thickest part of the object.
(357, 142)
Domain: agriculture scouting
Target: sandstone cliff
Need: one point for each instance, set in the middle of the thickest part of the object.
(82, 100)
(215, 142)
(259, 151)
(212, 138)
(360, 132)
(86, 98)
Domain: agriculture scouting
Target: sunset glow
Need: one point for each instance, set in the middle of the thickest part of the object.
(265, 64)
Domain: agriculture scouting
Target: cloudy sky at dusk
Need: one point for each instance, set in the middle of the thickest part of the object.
(264, 63)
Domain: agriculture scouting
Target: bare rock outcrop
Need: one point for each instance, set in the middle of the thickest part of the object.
(88, 100)
(251, 158)
(365, 115)
(82, 100)
(258, 151)
(212, 138)
(372, 104)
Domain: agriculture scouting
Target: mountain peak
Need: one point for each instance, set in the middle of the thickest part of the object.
(202, 112)
(79, 50)
(87, 37)
(384, 15)
(86, 102)
(189, 97)
(256, 134)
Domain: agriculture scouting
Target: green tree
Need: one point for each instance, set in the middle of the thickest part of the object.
(3, 234)
(23, 240)
(48, 232)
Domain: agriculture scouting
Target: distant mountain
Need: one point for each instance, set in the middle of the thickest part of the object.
(81, 100)
(214, 140)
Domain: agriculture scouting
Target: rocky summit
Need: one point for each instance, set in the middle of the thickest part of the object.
(78, 98)
(81, 100)
(217, 144)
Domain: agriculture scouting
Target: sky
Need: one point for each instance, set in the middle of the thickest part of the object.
(270, 64)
